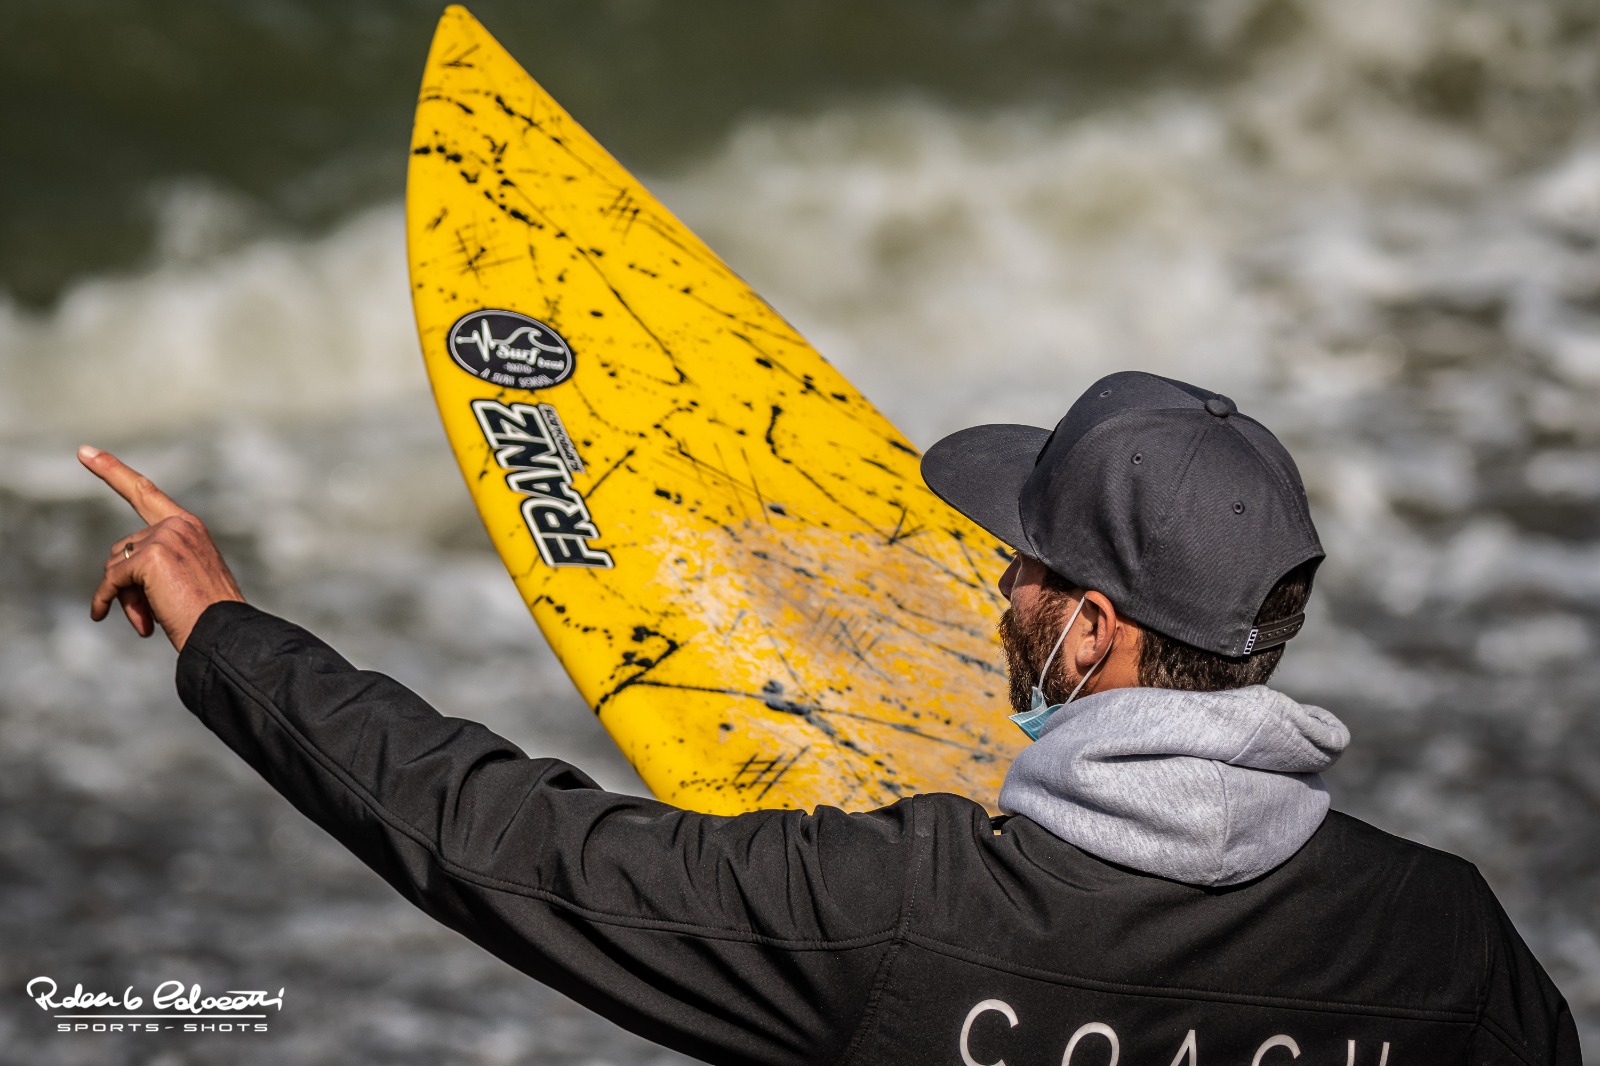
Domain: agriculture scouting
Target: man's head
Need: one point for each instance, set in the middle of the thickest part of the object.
(1181, 524)
(1042, 602)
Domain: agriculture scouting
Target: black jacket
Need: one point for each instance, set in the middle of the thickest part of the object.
(918, 933)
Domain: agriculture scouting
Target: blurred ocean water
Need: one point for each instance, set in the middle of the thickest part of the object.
(1373, 223)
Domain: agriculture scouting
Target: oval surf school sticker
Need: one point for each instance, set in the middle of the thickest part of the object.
(510, 350)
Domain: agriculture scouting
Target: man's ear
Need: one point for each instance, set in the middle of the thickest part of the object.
(1095, 644)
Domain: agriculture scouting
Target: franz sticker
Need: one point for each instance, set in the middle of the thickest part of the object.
(532, 446)
(510, 350)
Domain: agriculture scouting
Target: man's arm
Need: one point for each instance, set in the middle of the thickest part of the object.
(749, 939)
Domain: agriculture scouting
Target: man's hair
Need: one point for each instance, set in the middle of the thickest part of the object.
(1168, 663)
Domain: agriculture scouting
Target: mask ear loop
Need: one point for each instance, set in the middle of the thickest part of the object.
(1085, 679)
(1052, 656)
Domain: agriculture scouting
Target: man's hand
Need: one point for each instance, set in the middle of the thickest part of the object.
(166, 574)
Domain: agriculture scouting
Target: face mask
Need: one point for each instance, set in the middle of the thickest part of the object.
(1033, 720)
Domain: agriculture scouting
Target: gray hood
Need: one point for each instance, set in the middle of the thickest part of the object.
(1208, 788)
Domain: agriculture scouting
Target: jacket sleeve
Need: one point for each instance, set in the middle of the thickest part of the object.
(1523, 1020)
(756, 938)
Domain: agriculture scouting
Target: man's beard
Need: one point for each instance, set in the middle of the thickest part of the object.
(1027, 642)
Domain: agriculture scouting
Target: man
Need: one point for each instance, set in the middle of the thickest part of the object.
(1170, 888)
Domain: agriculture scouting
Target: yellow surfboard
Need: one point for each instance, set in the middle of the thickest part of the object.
(730, 549)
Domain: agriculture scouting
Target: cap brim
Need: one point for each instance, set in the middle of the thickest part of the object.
(980, 472)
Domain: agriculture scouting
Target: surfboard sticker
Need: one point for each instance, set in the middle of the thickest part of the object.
(510, 350)
(530, 444)
(729, 548)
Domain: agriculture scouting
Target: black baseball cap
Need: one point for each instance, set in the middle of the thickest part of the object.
(1159, 494)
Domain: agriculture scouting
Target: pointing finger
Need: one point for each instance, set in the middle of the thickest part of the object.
(149, 502)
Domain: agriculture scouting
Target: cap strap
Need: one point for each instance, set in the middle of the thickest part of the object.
(1272, 634)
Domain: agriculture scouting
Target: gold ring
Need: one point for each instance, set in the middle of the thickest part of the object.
(127, 550)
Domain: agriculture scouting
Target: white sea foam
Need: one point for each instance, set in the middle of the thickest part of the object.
(960, 269)
(278, 328)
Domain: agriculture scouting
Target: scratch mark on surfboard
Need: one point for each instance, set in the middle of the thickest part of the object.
(772, 445)
(900, 532)
(601, 480)
(765, 773)
(458, 60)
(960, 627)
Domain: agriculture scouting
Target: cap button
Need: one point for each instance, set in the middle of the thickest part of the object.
(1220, 406)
